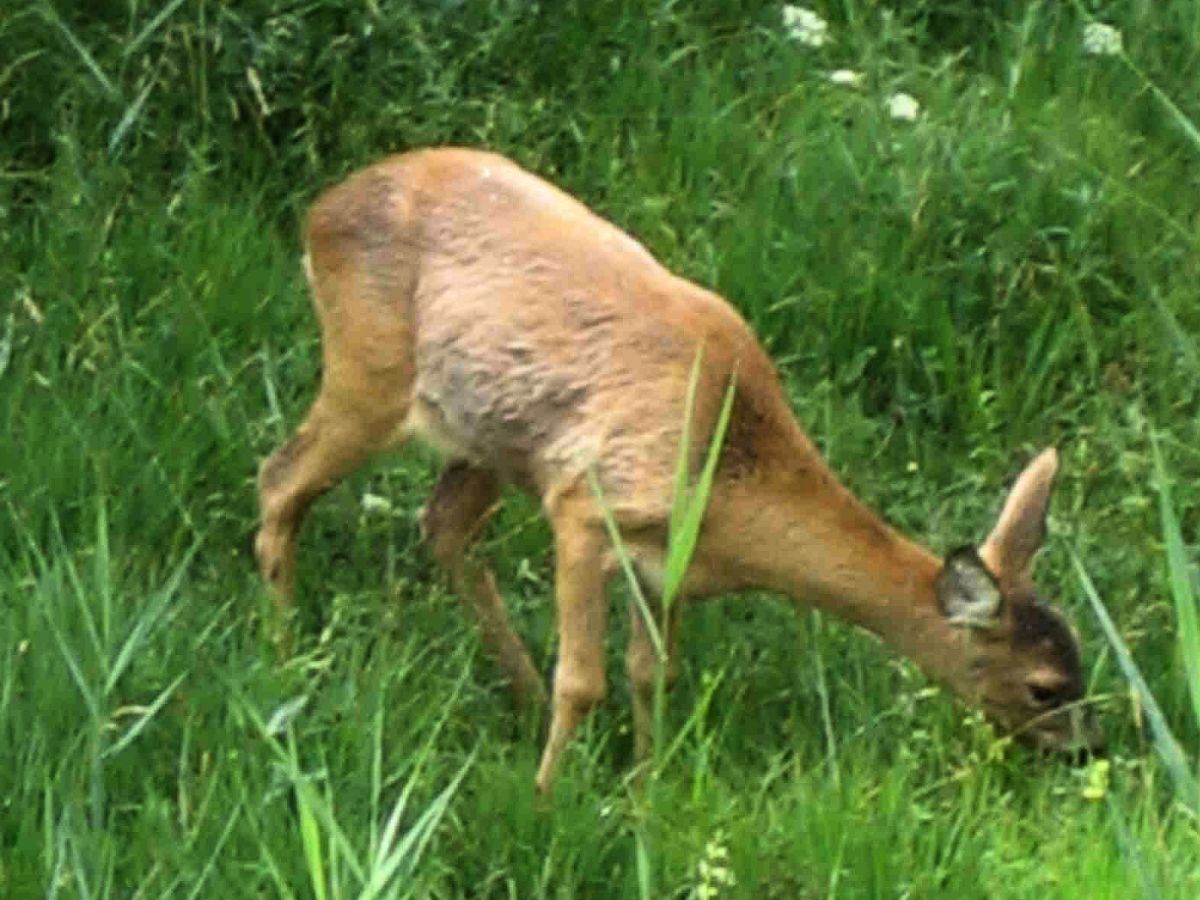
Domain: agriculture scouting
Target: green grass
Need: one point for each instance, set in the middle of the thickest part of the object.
(943, 297)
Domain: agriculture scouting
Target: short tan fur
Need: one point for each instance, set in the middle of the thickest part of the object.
(466, 302)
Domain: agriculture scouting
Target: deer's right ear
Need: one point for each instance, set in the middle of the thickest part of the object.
(1021, 528)
(967, 592)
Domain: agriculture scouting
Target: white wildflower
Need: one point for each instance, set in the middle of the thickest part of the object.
(903, 107)
(805, 26)
(373, 504)
(846, 78)
(1101, 40)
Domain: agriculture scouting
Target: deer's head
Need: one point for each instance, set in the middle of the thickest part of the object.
(1023, 660)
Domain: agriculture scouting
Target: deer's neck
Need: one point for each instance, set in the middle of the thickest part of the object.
(808, 537)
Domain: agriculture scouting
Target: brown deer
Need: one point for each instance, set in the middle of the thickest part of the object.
(466, 302)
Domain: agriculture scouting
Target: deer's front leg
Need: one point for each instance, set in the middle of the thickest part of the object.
(579, 678)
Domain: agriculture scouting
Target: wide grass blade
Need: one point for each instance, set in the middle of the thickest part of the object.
(686, 530)
(310, 833)
(683, 460)
(635, 585)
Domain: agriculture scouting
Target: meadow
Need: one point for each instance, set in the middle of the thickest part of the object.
(1007, 262)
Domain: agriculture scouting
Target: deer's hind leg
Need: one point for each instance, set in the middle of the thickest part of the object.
(361, 408)
(641, 664)
(581, 576)
(462, 501)
(329, 444)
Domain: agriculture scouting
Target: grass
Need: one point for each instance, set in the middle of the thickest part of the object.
(1017, 267)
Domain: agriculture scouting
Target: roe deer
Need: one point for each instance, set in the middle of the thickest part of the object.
(464, 301)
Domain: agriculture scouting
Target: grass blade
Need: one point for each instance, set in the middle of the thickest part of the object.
(635, 586)
(132, 111)
(1186, 348)
(1132, 850)
(310, 833)
(148, 620)
(682, 542)
(1164, 740)
(409, 850)
(143, 720)
(51, 16)
(1180, 580)
(73, 666)
(683, 463)
(216, 853)
(306, 797)
(644, 875)
(161, 16)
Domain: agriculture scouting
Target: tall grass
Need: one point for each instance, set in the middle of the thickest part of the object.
(1016, 267)
(688, 506)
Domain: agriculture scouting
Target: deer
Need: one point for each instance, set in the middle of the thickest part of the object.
(465, 302)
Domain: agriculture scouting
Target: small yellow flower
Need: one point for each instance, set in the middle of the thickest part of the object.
(1096, 787)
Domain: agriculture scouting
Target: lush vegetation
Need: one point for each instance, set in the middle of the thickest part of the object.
(1015, 267)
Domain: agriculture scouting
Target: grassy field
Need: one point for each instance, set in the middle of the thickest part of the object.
(1015, 267)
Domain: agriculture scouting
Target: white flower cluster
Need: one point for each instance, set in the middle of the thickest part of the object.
(714, 870)
(805, 26)
(1101, 40)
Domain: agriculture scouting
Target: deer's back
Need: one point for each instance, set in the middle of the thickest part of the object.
(545, 338)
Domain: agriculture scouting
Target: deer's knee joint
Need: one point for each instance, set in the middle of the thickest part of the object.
(271, 553)
(580, 688)
(274, 469)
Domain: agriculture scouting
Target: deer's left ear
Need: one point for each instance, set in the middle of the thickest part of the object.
(1021, 528)
(967, 591)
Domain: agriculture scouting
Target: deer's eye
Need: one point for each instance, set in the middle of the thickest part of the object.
(1042, 695)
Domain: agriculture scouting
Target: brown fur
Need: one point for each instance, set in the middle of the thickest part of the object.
(466, 302)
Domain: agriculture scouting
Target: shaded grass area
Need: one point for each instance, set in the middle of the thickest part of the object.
(1015, 268)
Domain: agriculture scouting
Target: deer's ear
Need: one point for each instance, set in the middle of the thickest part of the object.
(968, 592)
(1021, 528)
